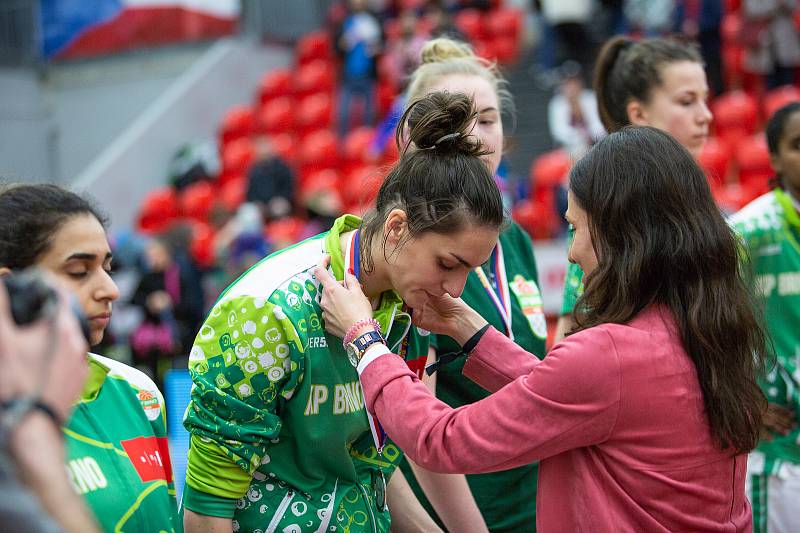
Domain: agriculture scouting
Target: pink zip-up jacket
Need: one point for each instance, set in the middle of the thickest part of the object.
(614, 413)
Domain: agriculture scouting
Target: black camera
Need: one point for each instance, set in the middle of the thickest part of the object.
(31, 298)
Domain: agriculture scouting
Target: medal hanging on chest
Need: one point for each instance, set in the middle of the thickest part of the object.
(353, 262)
(498, 291)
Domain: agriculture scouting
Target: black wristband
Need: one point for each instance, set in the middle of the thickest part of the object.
(12, 412)
(452, 356)
(474, 340)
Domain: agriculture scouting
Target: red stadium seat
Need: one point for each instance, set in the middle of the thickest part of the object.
(357, 145)
(202, 245)
(732, 6)
(237, 157)
(274, 84)
(536, 217)
(505, 22)
(779, 97)
(285, 145)
(313, 46)
(731, 28)
(318, 151)
(232, 193)
(733, 65)
(314, 112)
(733, 196)
(714, 159)
(390, 152)
(752, 158)
(314, 77)
(735, 115)
(469, 22)
(277, 116)
(360, 187)
(238, 122)
(386, 94)
(158, 211)
(504, 49)
(326, 179)
(197, 199)
(284, 232)
(549, 169)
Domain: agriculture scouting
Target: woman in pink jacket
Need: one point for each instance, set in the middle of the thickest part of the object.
(643, 418)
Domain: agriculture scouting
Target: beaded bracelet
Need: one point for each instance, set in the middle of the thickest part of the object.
(351, 332)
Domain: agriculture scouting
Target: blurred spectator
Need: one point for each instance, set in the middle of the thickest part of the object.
(358, 42)
(403, 54)
(270, 183)
(193, 162)
(172, 312)
(568, 19)
(651, 18)
(701, 20)
(770, 37)
(572, 114)
(443, 24)
(240, 243)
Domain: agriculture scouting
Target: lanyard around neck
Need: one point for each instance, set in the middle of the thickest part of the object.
(498, 294)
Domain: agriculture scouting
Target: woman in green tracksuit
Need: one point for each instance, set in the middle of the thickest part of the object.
(770, 229)
(116, 439)
(280, 437)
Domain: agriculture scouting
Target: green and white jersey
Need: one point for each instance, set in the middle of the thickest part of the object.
(507, 499)
(770, 228)
(279, 434)
(573, 288)
(117, 453)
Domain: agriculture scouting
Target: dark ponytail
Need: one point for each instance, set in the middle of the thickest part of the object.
(440, 181)
(628, 70)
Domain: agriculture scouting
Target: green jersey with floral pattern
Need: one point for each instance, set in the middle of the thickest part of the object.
(770, 228)
(279, 434)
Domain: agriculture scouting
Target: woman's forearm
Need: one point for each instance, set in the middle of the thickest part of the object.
(452, 499)
(197, 523)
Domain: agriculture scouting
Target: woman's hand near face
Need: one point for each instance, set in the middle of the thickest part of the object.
(342, 305)
(449, 316)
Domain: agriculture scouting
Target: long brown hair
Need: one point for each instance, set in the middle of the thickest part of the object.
(660, 239)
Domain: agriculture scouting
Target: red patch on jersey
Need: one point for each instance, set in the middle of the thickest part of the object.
(150, 457)
(417, 365)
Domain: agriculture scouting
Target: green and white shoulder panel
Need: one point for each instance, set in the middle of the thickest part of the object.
(762, 215)
(150, 397)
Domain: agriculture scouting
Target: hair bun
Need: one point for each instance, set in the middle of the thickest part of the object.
(442, 49)
(442, 121)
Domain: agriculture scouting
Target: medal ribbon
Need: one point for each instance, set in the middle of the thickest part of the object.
(500, 296)
(352, 261)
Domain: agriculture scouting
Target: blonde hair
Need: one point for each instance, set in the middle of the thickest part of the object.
(444, 57)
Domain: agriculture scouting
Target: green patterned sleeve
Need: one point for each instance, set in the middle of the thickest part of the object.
(246, 360)
(573, 288)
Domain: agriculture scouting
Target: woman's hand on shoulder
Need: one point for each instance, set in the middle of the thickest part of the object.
(342, 303)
